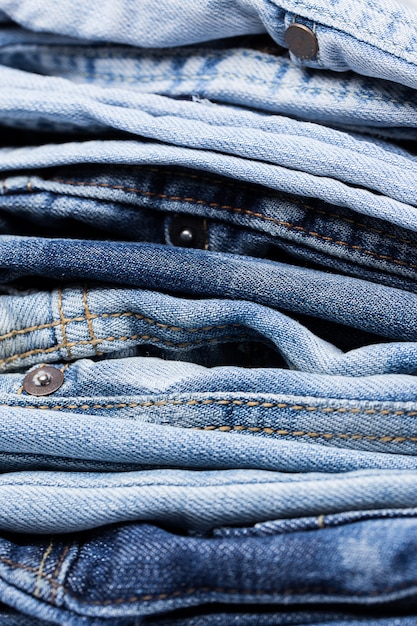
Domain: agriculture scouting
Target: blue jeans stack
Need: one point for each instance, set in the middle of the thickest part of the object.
(208, 330)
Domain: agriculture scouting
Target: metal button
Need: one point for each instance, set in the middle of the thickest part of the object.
(186, 236)
(301, 41)
(188, 231)
(43, 381)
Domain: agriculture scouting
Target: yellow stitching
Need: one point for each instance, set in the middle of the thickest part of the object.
(64, 333)
(224, 402)
(89, 321)
(86, 342)
(54, 583)
(41, 566)
(301, 433)
(80, 318)
(320, 521)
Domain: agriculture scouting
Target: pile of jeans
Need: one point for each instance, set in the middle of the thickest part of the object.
(208, 328)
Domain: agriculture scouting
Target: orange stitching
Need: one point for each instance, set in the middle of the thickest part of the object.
(139, 316)
(54, 582)
(225, 402)
(312, 435)
(64, 332)
(85, 342)
(27, 568)
(227, 207)
(89, 322)
(252, 188)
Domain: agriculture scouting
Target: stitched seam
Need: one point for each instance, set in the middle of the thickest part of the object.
(138, 316)
(313, 435)
(241, 186)
(63, 329)
(288, 225)
(225, 402)
(251, 188)
(41, 566)
(87, 342)
(89, 322)
(54, 582)
(26, 568)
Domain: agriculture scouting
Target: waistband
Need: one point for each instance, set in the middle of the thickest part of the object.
(377, 39)
(264, 79)
(156, 204)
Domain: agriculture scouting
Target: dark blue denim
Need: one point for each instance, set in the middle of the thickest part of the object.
(352, 302)
(156, 204)
(143, 574)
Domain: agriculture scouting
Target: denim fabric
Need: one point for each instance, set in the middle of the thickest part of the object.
(215, 247)
(64, 579)
(351, 302)
(86, 322)
(377, 39)
(391, 168)
(251, 72)
(126, 203)
(302, 150)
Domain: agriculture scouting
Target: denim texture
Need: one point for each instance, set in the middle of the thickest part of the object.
(145, 204)
(251, 72)
(63, 579)
(375, 40)
(213, 242)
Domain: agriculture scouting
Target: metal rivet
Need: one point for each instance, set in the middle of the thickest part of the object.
(301, 41)
(186, 235)
(43, 381)
(188, 231)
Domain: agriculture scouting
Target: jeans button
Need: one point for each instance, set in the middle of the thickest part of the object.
(43, 381)
(301, 41)
(188, 231)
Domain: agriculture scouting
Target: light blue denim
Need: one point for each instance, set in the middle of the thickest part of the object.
(384, 168)
(377, 39)
(246, 73)
(303, 150)
(354, 303)
(84, 322)
(59, 502)
(165, 415)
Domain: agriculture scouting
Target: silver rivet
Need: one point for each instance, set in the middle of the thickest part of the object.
(186, 235)
(42, 378)
(43, 381)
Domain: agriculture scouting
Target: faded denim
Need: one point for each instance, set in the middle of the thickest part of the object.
(234, 439)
